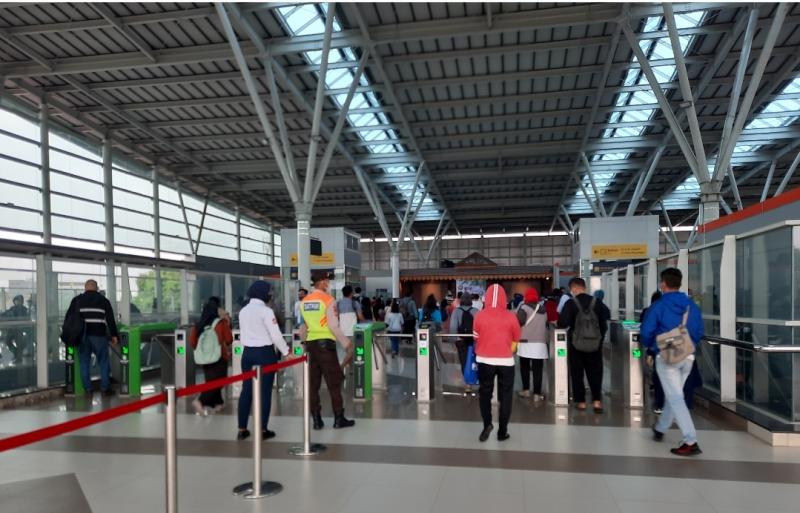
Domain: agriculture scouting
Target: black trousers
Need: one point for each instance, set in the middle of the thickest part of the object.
(525, 367)
(323, 361)
(590, 364)
(212, 371)
(505, 393)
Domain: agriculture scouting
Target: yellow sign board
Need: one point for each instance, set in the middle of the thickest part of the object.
(618, 251)
(325, 258)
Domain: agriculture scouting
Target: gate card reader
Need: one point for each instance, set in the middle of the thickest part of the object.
(237, 348)
(425, 374)
(558, 369)
(364, 359)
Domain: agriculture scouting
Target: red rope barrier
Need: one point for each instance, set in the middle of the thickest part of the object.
(12, 442)
(39, 435)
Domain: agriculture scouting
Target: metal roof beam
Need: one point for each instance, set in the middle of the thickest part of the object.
(104, 11)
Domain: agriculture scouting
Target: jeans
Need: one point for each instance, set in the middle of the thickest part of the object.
(99, 346)
(395, 341)
(672, 379)
(252, 357)
(505, 385)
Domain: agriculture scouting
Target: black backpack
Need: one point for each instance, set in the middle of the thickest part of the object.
(465, 326)
(586, 336)
(72, 329)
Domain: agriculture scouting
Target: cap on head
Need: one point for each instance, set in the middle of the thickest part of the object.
(531, 296)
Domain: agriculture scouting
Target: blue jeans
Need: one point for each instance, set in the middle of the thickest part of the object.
(395, 341)
(672, 379)
(99, 346)
(252, 357)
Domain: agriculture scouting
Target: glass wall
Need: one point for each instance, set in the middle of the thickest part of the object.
(640, 287)
(17, 323)
(703, 288)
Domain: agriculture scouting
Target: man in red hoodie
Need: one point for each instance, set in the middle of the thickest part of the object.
(496, 330)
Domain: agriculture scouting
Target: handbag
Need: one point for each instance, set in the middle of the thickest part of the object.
(676, 345)
(471, 367)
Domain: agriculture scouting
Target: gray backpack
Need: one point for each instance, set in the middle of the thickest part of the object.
(586, 336)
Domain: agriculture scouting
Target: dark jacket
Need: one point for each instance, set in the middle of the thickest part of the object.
(96, 311)
(666, 314)
(570, 311)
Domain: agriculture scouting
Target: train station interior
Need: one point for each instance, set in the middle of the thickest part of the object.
(193, 169)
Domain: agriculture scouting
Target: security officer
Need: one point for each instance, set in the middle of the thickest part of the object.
(320, 331)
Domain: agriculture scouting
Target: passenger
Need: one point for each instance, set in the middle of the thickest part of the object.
(350, 311)
(674, 309)
(562, 300)
(298, 316)
(587, 320)
(16, 338)
(551, 307)
(377, 308)
(320, 331)
(430, 313)
(394, 325)
(599, 295)
(496, 332)
(533, 344)
(408, 307)
(444, 310)
(366, 308)
(261, 337)
(658, 390)
(477, 302)
(215, 321)
(461, 323)
(99, 323)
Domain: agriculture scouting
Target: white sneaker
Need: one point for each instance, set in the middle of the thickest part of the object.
(524, 393)
(538, 397)
(218, 408)
(198, 407)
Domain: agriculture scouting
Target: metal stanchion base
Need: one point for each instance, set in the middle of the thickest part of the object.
(314, 449)
(268, 488)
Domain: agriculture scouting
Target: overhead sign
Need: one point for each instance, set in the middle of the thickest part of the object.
(618, 251)
(326, 258)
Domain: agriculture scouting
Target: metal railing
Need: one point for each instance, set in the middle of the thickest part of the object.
(750, 346)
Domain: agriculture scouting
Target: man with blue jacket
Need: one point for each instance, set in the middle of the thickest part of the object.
(662, 317)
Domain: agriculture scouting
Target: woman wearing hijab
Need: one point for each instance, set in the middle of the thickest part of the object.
(214, 318)
(261, 337)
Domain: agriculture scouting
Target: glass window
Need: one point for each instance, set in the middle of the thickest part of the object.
(704, 279)
(19, 148)
(17, 323)
(763, 275)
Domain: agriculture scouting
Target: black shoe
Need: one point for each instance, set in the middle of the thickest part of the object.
(502, 436)
(267, 434)
(317, 422)
(108, 393)
(342, 422)
(687, 450)
(487, 430)
(657, 435)
(243, 434)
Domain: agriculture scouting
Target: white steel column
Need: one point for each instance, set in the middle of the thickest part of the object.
(394, 261)
(303, 247)
(727, 322)
(108, 195)
(788, 175)
(652, 280)
(630, 301)
(614, 302)
(156, 215)
(683, 267)
(43, 268)
(238, 215)
(768, 182)
(228, 293)
(44, 156)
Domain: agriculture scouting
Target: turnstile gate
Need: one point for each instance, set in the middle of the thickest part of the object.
(426, 378)
(624, 363)
(558, 371)
(237, 348)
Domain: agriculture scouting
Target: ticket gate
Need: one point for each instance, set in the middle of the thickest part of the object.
(426, 359)
(183, 356)
(624, 362)
(365, 357)
(237, 348)
(558, 370)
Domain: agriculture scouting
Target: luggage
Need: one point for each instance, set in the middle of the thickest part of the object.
(72, 329)
(586, 335)
(676, 345)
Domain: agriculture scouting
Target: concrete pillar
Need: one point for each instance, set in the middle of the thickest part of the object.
(43, 270)
(709, 206)
(303, 247)
(44, 156)
(228, 293)
(683, 267)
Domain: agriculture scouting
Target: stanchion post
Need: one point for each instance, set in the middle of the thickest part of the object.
(257, 488)
(170, 450)
(308, 449)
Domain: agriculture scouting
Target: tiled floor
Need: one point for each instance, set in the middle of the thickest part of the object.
(400, 457)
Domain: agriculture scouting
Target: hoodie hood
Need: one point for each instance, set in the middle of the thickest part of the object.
(496, 297)
(675, 302)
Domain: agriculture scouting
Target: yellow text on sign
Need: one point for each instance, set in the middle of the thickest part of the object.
(326, 258)
(618, 251)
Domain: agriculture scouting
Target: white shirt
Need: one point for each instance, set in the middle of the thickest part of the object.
(259, 327)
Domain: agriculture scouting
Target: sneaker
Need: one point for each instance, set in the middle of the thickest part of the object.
(108, 393)
(657, 411)
(687, 450)
(502, 436)
(267, 434)
(218, 408)
(487, 430)
(538, 397)
(243, 434)
(524, 393)
(657, 435)
(198, 407)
